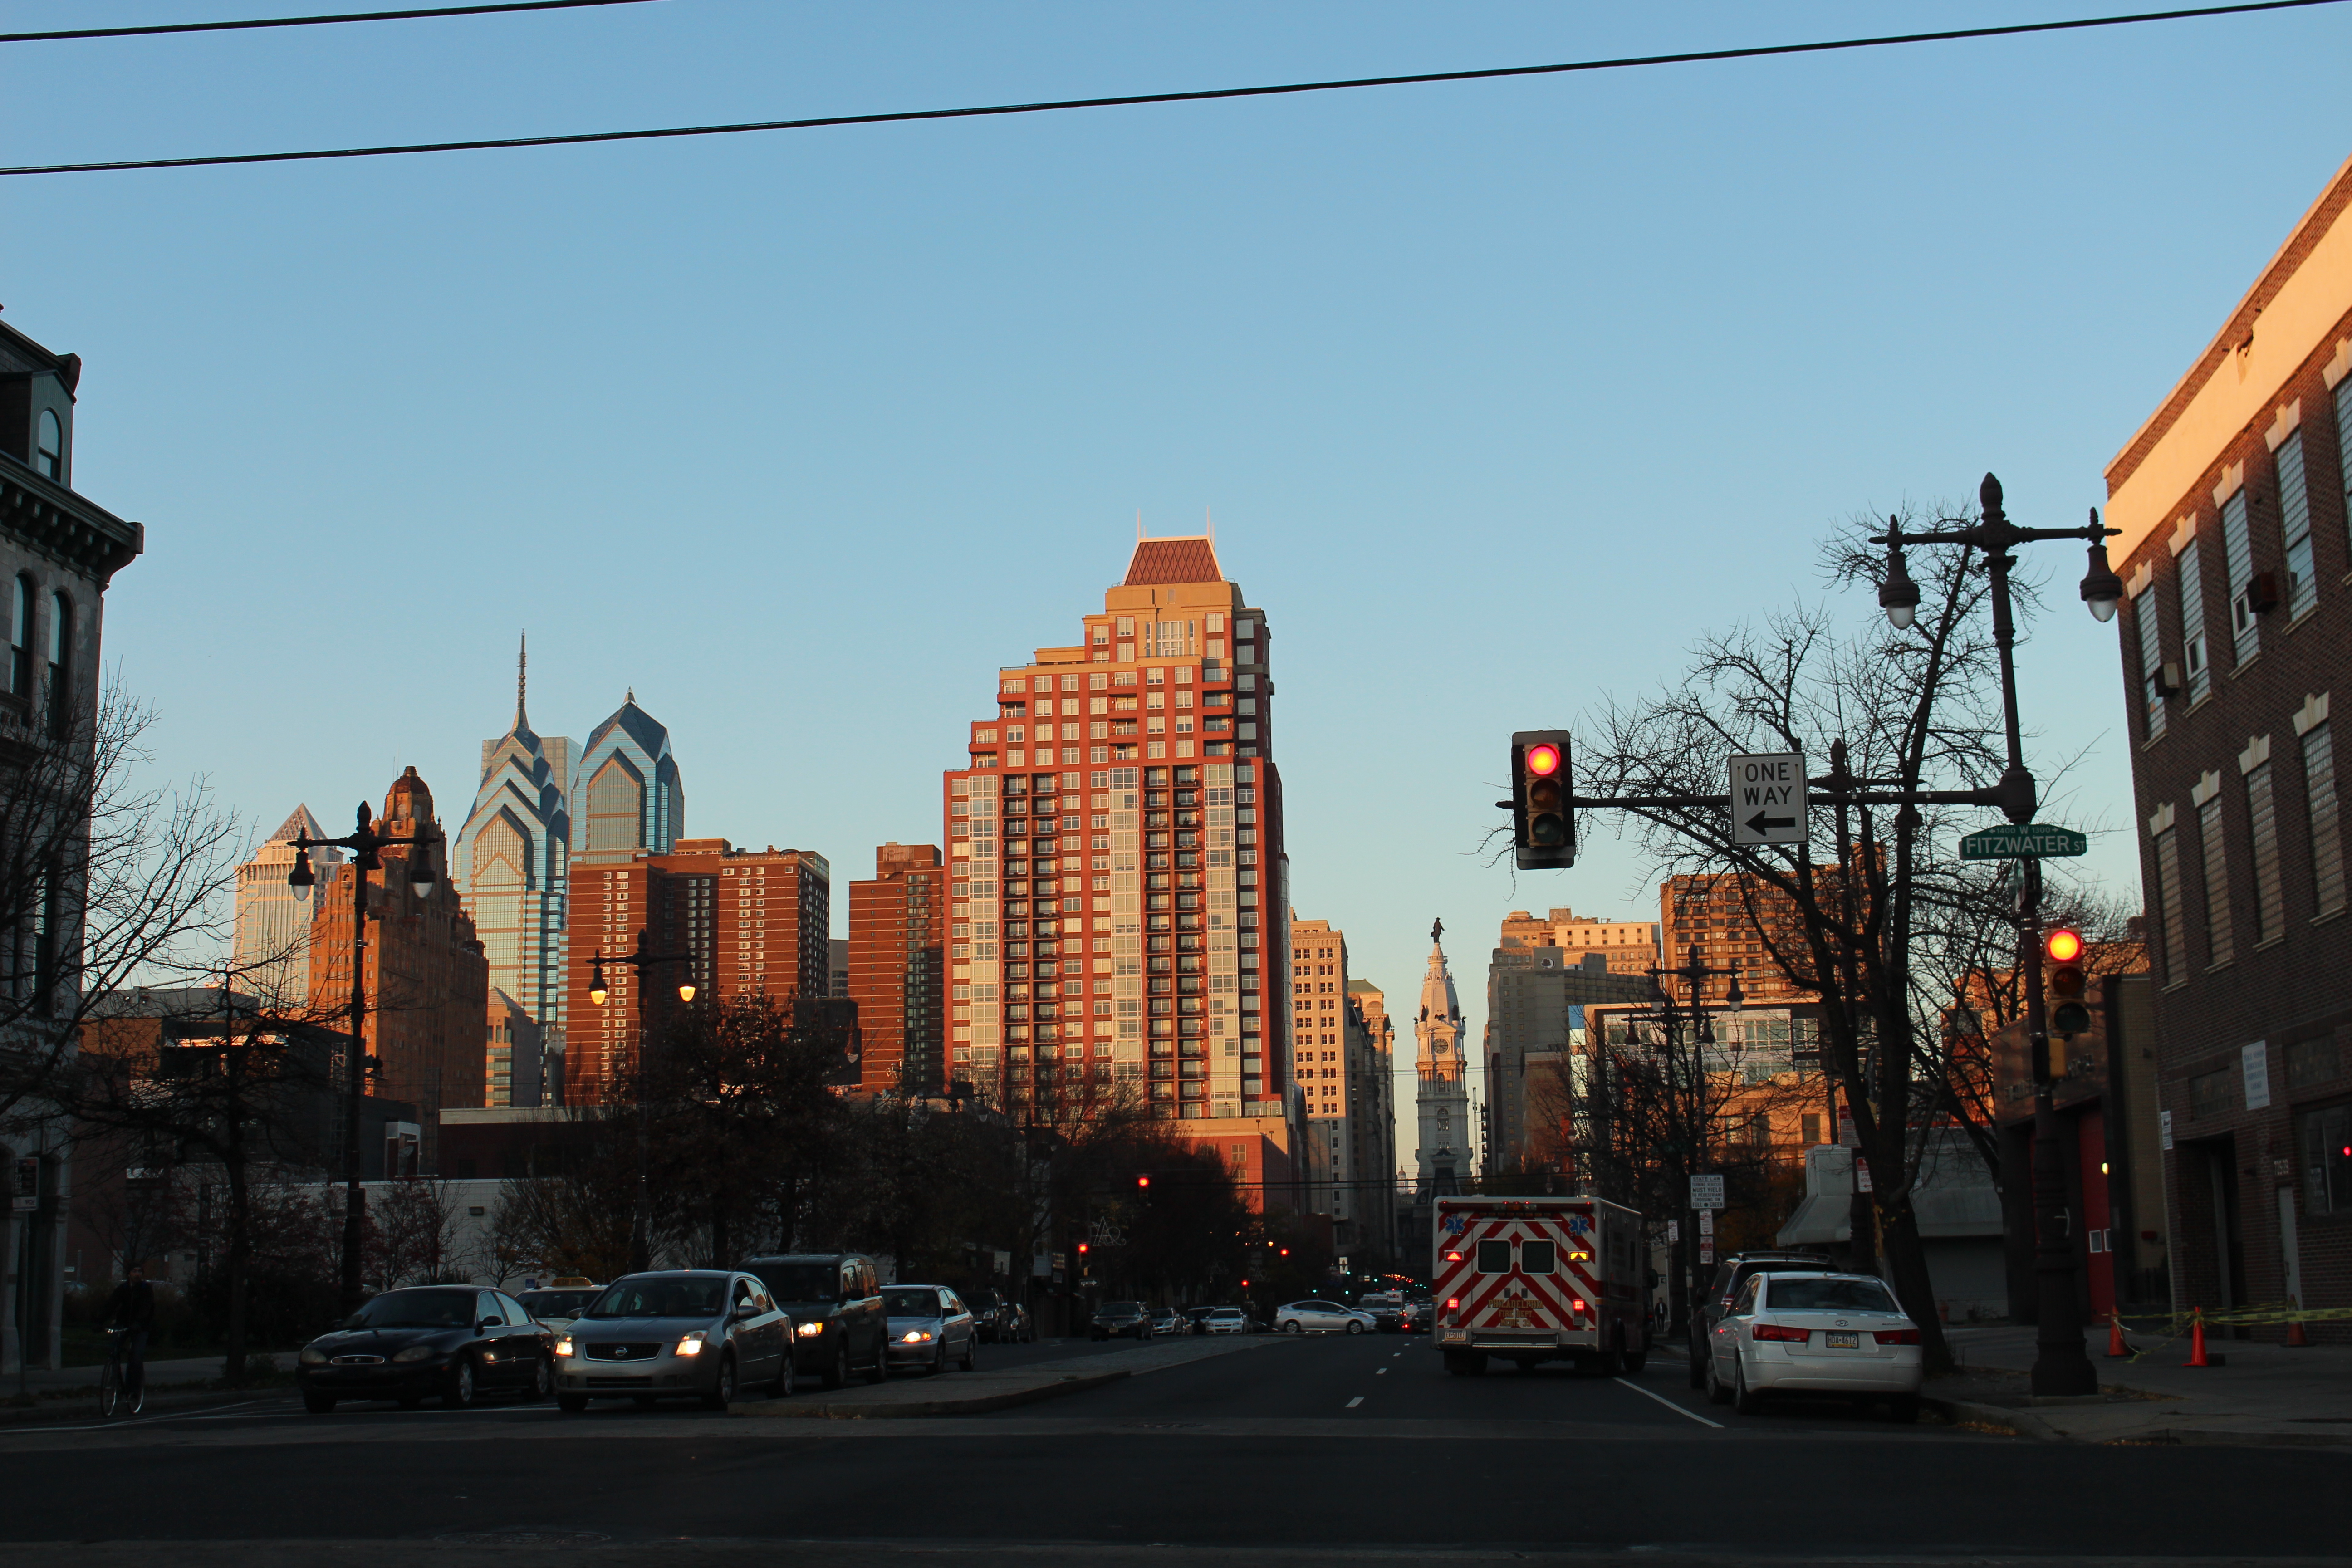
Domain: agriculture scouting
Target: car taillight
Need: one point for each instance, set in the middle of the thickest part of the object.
(1776, 1331)
(1897, 1336)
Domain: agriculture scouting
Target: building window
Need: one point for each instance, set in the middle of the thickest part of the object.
(2262, 818)
(2169, 902)
(2327, 1138)
(2189, 577)
(62, 641)
(2326, 829)
(2238, 555)
(2149, 625)
(20, 640)
(2343, 441)
(2217, 945)
(2295, 521)
(49, 448)
(2213, 1093)
(2310, 1062)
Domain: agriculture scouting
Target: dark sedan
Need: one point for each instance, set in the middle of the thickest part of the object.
(1113, 1318)
(452, 1342)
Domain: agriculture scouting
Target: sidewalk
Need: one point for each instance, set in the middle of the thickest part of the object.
(971, 1393)
(2265, 1393)
(160, 1374)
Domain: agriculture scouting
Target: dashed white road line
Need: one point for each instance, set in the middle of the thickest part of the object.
(1670, 1404)
(1353, 1402)
(1380, 1371)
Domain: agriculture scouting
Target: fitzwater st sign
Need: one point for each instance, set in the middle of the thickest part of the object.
(2035, 840)
(1767, 798)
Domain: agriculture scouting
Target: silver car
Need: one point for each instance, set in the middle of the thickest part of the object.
(703, 1333)
(1320, 1317)
(1814, 1333)
(930, 1327)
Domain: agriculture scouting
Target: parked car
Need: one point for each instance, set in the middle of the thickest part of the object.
(556, 1306)
(1196, 1319)
(1226, 1321)
(834, 1300)
(1115, 1320)
(1167, 1320)
(930, 1327)
(1731, 1276)
(1814, 1333)
(707, 1333)
(1386, 1309)
(453, 1342)
(1320, 1318)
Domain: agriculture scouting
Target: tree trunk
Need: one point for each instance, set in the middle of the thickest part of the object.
(1906, 1263)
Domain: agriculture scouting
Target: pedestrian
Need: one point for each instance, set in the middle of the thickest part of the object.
(131, 1308)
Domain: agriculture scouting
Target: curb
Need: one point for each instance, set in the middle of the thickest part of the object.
(1968, 1413)
(970, 1405)
(2212, 1438)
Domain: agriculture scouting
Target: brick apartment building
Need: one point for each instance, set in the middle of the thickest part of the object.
(1116, 922)
(2230, 504)
(1346, 1075)
(1627, 947)
(746, 920)
(898, 969)
(1728, 918)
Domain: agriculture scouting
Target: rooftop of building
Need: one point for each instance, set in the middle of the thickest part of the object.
(1185, 559)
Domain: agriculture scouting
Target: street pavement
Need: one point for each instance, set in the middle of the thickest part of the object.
(1275, 1449)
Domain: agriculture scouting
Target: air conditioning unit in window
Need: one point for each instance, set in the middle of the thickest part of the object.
(2168, 679)
(2262, 591)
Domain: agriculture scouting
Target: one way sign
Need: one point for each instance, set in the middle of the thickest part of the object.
(1768, 798)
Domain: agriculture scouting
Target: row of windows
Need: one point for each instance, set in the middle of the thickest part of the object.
(59, 648)
(2250, 593)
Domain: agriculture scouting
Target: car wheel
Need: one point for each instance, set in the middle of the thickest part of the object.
(572, 1403)
(1292, 1327)
(940, 1360)
(1716, 1393)
(1634, 1362)
(1903, 1409)
(1744, 1399)
(838, 1374)
(459, 1391)
(543, 1382)
(319, 1404)
(723, 1392)
(881, 1367)
(1354, 1327)
(971, 1354)
(782, 1387)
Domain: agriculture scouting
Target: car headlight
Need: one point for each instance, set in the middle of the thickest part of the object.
(692, 1344)
(563, 1344)
(417, 1353)
(313, 1356)
(810, 1331)
(914, 1336)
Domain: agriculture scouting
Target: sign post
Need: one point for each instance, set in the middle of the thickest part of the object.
(1767, 798)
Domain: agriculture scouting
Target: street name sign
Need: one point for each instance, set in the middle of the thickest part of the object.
(1707, 1192)
(1767, 798)
(2036, 840)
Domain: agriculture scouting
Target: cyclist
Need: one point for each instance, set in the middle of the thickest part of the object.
(131, 1308)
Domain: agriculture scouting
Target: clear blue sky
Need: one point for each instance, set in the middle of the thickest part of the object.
(1501, 391)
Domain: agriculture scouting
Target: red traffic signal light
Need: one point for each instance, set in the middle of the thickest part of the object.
(1143, 1182)
(1543, 828)
(2064, 946)
(1084, 1247)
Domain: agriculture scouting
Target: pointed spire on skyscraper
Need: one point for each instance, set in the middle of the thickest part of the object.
(522, 676)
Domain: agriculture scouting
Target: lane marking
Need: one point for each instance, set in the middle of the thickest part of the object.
(1353, 1402)
(1670, 1404)
(108, 1426)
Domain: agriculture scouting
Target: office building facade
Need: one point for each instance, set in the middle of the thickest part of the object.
(1347, 1093)
(1536, 996)
(273, 926)
(898, 969)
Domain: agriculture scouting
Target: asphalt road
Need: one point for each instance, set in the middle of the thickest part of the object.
(1363, 1444)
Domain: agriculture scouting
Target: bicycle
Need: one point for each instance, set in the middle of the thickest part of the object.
(110, 1395)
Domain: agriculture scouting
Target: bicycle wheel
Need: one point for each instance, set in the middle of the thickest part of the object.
(110, 1388)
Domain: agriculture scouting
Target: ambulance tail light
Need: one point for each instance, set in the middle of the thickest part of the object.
(1576, 1303)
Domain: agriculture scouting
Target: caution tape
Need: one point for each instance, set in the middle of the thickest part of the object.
(2266, 1312)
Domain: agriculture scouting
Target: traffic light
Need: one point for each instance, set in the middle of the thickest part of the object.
(1143, 1184)
(1543, 829)
(2071, 1015)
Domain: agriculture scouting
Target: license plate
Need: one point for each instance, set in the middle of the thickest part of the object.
(1844, 1342)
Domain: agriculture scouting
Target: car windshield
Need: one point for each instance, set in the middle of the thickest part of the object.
(901, 1302)
(693, 1298)
(1226, 1312)
(1828, 1296)
(556, 1303)
(1118, 1310)
(417, 1310)
(801, 1281)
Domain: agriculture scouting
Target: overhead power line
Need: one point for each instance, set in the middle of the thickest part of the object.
(410, 15)
(1133, 99)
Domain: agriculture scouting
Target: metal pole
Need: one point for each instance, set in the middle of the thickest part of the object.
(641, 1223)
(354, 1199)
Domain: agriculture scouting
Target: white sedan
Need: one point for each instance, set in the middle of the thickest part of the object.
(1815, 1333)
(1226, 1320)
(1321, 1317)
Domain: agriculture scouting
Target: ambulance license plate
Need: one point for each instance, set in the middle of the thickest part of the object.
(1846, 1341)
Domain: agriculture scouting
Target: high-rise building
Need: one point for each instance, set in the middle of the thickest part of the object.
(273, 926)
(513, 859)
(1627, 947)
(516, 1046)
(1447, 1153)
(744, 921)
(1372, 1153)
(1734, 921)
(1535, 994)
(840, 986)
(1343, 1075)
(898, 969)
(627, 795)
(427, 980)
(1114, 842)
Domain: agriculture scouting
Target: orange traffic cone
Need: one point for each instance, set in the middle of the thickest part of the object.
(2117, 1349)
(2197, 1339)
(2296, 1338)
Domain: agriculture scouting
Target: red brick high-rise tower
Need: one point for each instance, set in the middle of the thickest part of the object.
(1116, 869)
(898, 969)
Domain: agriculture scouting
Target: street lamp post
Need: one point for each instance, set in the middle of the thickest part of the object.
(365, 844)
(2060, 1365)
(641, 1222)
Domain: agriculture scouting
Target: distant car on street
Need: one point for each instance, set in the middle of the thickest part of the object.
(556, 1307)
(1386, 1309)
(702, 1333)
(1118, 1319)
(453, 1342)
(1321, 1317)
(1226, 1320)
(834, 1300)
(1416, 1316)
(929, 1326)
(1814, 1333)
(1168, 1321)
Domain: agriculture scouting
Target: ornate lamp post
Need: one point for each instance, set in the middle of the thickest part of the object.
(365, 845)
(641, 1222)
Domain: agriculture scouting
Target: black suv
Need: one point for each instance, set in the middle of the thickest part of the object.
(1730, 1275)
(835, 1301)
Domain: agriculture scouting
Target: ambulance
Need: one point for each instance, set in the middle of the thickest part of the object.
(1538, 1279)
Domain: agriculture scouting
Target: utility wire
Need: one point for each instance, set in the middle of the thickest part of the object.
(1131, 99)
(408, 16)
